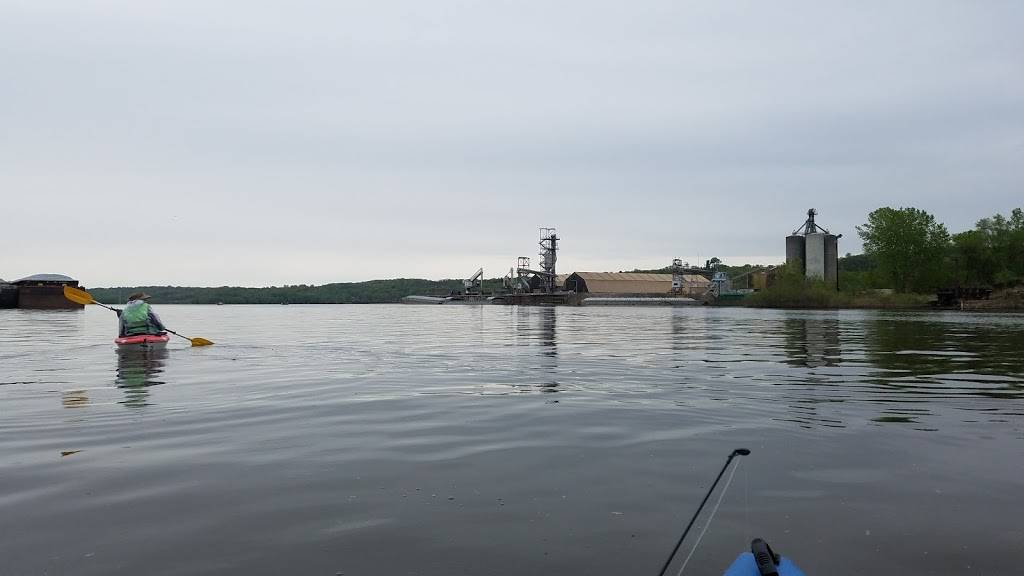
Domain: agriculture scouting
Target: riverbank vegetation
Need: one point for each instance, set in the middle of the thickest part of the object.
(791, 290)
(907, 250)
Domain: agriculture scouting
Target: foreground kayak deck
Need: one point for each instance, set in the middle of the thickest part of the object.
(746, 565)
(142, 341)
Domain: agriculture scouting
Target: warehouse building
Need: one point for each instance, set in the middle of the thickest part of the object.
(692, 285)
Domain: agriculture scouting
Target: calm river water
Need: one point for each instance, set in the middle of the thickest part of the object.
(442, 440)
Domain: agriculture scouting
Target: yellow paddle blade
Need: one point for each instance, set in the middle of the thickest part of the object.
(200, 342)
(78, 296)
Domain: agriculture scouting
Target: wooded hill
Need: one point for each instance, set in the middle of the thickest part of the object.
(373, 291)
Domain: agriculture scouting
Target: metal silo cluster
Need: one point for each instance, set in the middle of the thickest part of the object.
(816, 249)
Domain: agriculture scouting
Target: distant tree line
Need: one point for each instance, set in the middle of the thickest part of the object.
(908, 250)
(374, 291)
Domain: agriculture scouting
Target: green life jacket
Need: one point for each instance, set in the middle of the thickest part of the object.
(136, 318)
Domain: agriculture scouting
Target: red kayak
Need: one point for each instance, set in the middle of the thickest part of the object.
(142, 341)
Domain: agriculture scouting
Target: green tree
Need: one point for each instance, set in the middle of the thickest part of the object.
(973, 258)
(908, 245)
(992, 253)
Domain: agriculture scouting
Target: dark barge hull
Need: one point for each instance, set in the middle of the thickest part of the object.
(8, 296)
(45, 297)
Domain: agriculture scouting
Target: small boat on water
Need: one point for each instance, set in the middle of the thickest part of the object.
(142, 342)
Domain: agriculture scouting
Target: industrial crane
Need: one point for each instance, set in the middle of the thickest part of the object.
(474, 284)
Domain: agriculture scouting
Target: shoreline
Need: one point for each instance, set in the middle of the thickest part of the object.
(988, 309)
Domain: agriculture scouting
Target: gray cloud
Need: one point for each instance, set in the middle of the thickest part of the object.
(248, 143)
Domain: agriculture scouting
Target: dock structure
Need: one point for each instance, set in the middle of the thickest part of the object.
(641, 301)
(561, 298)
(45, 292)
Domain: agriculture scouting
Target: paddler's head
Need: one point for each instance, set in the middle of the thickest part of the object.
(139, 296)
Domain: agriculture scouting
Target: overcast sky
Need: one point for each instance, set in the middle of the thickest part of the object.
(268, 143)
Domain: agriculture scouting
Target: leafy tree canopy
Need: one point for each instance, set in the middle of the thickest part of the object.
(908, 245)
(993, 252)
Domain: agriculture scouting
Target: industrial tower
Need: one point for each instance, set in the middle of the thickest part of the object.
(522, 278)
(548, 256)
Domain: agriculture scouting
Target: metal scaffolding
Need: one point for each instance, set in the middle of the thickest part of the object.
(522, 278)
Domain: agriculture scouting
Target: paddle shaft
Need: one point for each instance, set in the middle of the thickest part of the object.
(735, 453)
(105, 306)
(176, 334)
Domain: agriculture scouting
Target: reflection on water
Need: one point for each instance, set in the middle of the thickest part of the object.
(75, 398)
(548, 341)
(536, 326)
(904, 366)
(813, 342)
(945, 348)
(137, 370)
(546, 335)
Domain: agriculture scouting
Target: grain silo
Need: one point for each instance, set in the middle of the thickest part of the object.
(817, 250)
(814, 265)
(795, 248)
(832, 260)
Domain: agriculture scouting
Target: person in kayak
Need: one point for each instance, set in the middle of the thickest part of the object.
(138, 317)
